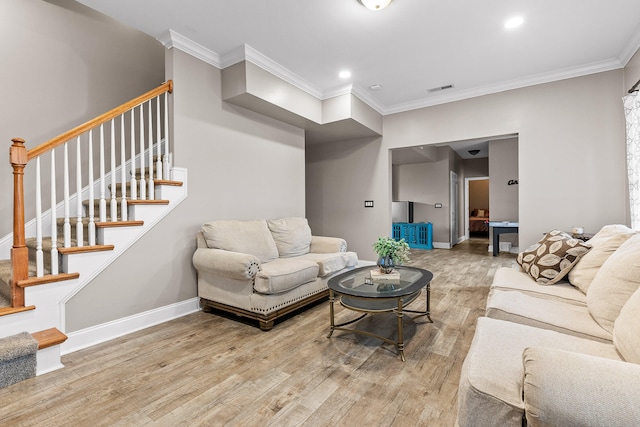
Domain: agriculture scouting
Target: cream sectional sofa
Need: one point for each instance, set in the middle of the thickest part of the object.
(558, 352)
(265, 269)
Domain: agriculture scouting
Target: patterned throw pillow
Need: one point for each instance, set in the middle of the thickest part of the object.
(551, 259)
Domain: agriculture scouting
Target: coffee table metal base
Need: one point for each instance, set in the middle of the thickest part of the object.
(380, 305)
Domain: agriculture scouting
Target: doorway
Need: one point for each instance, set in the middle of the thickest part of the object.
(476, 207)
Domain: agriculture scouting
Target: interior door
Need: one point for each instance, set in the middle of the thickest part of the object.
(453, 202)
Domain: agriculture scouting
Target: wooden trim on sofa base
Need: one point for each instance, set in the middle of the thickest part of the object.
(266, 321)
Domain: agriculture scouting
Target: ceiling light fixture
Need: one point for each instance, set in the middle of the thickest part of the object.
(514, 22)
(375, 87)
(375, 4)
(344, 74)
(474, 152)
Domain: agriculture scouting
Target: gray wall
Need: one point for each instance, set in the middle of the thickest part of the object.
(241, 166)
(503, 167)
(63, 64)
(632, 71)
(571, 140)
(427, 183)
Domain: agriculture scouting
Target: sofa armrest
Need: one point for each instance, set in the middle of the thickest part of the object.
(563, 388)
(327, 245)
(234, 265)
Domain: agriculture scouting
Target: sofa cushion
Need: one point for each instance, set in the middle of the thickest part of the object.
(626, 330)
(614, 283)
(491, 380)
(332, 262)
(249, 237)
(283, 274)
(544, 313)
(507, 278)
(292, 236)
(551, 259)
(603, 244)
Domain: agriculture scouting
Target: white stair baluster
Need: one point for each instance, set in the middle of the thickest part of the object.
(143, 182)
(158, 141)
(114, 202)
(39, 257)
(151, 180)
(103, 201)
(166, 136)
(92, 223)
(79, 210)
(66, 228)
(54, 222)
(132, 162)
(123, 172)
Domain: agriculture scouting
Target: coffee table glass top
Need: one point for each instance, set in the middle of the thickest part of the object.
(358, 283)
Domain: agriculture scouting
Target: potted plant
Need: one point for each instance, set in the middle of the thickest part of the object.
(391, 252)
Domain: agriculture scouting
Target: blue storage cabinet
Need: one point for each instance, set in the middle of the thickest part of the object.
(418, 235)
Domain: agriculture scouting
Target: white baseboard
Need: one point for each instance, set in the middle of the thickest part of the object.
(88, 337)
(442, 245)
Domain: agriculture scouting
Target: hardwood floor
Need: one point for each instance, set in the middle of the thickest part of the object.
(208, 370)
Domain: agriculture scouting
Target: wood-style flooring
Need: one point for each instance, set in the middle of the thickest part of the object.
(208, 370)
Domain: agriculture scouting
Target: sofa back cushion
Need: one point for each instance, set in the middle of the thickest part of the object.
(626, 332)
(248, 237)
(603, 244)
(614, 283)
(292, 236)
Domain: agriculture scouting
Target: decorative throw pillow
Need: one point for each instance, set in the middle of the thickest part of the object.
(603, 244)
(614, 283)
(551, 259)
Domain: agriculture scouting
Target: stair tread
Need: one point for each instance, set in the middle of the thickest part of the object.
(49, 338)
(47, 278)
(4, 311)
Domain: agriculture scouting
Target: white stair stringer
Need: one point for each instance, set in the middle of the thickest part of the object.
(50, 299)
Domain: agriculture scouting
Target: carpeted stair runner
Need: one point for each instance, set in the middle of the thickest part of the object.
(17, 358)
(5, 283)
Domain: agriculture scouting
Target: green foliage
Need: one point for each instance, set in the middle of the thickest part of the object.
(398, 250)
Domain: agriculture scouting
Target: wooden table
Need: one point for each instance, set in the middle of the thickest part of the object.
(501, 227)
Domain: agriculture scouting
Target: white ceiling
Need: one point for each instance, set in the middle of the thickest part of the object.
(411, 46)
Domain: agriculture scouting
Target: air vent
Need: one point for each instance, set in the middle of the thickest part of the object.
(440, 88)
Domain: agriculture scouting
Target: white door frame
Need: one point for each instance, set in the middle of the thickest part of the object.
(454, 208)
(466, 202)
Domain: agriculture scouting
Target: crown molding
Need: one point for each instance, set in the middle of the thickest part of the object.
(631, 48)
(365, 96)
(567, 73)
(278, 70)
(173, 39)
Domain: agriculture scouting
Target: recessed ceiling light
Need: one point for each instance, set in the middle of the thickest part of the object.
(345, 74)
(375, 87)
(514, 22)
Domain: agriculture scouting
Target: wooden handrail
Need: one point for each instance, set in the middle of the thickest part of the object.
(103, 118)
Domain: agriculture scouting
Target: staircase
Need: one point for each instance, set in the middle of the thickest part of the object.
(58, 253)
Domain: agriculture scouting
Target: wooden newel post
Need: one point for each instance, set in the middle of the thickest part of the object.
(19, 251)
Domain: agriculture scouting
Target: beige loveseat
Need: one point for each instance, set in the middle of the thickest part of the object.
(558, 352)
(265, 269)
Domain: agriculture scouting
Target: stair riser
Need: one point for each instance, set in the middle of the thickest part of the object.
(96, 209)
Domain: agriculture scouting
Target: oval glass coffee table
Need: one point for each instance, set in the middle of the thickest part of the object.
(358, 291)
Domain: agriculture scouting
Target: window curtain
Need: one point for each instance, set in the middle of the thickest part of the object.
(632, 115)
